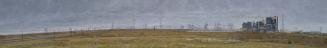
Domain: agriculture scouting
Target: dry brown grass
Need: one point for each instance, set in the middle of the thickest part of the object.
(141, 38)
(282, 37)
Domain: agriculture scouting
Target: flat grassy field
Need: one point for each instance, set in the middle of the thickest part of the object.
(140, 38)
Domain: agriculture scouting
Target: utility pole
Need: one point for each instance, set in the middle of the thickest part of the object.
(231, 27)
(320, 29)
(71, 31)
(112, 22)
(283, 27)
(53, 34)
(160, 22)
(94, 37)
(145, 26)
(71, 34)
(134, 23)
(154, 27)
(112, 25)
(22, 36)
(46, 30)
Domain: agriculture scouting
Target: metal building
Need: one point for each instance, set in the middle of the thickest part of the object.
(270, 24)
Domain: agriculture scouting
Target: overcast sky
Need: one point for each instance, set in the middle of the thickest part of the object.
(34, 15)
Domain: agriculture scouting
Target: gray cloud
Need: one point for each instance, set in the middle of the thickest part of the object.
(28, 14)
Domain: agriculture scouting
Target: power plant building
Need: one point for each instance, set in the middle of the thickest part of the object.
(270, 24)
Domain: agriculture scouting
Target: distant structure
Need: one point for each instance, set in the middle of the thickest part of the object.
(206, 26)
(218, 27)
(190, 26)
(270, 24)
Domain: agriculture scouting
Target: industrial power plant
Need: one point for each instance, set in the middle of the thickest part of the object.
(269, 24)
